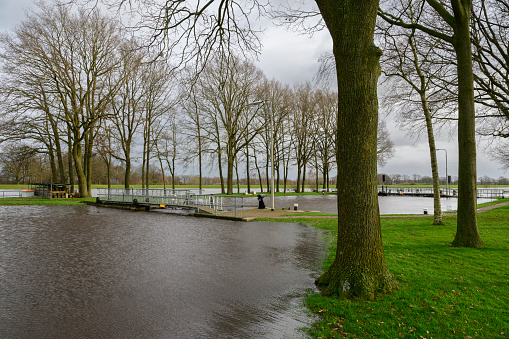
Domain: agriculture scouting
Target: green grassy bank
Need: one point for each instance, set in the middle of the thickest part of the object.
(444, 292)
(39, 201)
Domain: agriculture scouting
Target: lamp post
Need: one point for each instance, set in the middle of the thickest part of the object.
(446, 174)
(261, 102)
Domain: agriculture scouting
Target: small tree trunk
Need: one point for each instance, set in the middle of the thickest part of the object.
(108, 168)
(219, 160)
(259, 173)
(127, 174)
(299, 171)
(247, 170)
(304, 179)
(237, 174)
(70, 161)
(437, 207)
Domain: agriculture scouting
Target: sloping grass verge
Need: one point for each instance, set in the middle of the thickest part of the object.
(444, 291)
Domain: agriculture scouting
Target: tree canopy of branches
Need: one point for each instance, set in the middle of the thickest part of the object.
(61, 66)
(490, 37)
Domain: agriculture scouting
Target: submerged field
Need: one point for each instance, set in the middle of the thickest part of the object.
(443, 291)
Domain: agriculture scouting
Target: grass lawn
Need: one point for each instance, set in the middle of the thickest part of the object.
(40, 201)
(444, 291)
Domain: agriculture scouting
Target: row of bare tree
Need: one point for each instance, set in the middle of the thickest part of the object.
(74, 82)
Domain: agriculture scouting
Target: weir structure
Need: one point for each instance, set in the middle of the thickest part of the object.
(148, 198)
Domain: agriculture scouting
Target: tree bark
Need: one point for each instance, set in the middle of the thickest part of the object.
(299, 174)
(437, 206)
(467, 233)
(359, 267)
(247, 171)
(80, 173)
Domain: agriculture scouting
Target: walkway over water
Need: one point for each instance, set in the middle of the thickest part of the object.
(219, 205)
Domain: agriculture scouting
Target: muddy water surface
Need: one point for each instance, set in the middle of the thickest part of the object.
(85, 272)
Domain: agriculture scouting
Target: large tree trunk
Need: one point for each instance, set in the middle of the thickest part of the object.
(467, 233)
(359, 267)
(304, 178)
(80, 173)
(53, 165)
(58, 149)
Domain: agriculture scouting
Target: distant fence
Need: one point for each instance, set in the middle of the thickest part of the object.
(10, 194)
(489, 193)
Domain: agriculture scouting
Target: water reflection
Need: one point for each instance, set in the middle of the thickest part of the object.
(85, 272)
(388, 204)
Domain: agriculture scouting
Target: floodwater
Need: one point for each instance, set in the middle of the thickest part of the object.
(399, 204)
(87, 272)
(387, 204)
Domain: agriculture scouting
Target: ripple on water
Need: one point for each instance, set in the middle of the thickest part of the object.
(80, 271)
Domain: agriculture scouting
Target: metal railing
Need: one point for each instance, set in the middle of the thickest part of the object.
(10, 194)
(231, 205)
(219, 205)
(450, 192)
(146, 195)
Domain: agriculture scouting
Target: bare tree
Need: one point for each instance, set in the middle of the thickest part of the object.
(16, 160)
(105, 148)
(74, 53)
(157, 102)
(385, 146)
(276, 108)
(227, 87)
(127, 106)
(501, 154)
(192, 118)
(419, 84)
(301, 127)
(325, 126)
(455, 16)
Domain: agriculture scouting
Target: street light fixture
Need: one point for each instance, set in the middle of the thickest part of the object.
(446, 174)
(261, 102)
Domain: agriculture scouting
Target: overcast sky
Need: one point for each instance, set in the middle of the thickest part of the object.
(291, 58)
